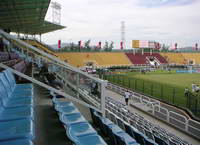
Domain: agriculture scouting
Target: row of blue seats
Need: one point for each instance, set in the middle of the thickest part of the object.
(145, 127)
(78, 130)
(16, 111)
(116, 135)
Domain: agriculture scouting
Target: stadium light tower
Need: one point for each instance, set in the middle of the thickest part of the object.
(123, 34)
(56, 12)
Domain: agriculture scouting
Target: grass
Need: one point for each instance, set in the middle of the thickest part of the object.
(164, 85)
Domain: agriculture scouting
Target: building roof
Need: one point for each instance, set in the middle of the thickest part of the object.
(26, 16)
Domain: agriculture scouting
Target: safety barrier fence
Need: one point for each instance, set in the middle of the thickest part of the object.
(179, 121)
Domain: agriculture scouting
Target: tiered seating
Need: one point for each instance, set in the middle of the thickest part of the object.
(116, 134)
(174, 58)
(141, 129)
(78, 130)
(40, 45)
(100, 59)
(139, 59)
(160, 58)
(16, 111)
(192, 56)
(5, 56)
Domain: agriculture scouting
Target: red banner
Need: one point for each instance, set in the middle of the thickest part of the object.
(196, 46)
(121, 45)
(59, 44)
(176, 46)
(99, 45)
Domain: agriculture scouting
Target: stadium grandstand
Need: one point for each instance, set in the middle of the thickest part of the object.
(45, 99)
(98, 59)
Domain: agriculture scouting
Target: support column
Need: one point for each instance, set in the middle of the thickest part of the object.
(103, 96)
(77, 84)
(40, 37)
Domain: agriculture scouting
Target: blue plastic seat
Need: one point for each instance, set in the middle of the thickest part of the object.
(67, 110)
(12, 81)
(104, 123)
(17, 142)
(15, 113)
(139, 137)
(124, 137)
(13, 92)
(150, 141)
(10, 102)
(16, 129)
(72, 119)
(91, 140)
(79, 129)
(59, 103)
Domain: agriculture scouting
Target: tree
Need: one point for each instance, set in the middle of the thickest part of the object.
(111, 46)
(106, 47)
(87, 44)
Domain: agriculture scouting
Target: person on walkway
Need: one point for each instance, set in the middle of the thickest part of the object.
(127, 96)
(186, 92)
(197, 89)
(193, 87)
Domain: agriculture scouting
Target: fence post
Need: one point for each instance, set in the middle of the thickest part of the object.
(117, 79)
(143, 86)
(173, 95)
(135, 84)
(196, 108)
(123, 80)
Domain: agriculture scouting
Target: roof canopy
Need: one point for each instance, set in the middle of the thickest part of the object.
(26, 16)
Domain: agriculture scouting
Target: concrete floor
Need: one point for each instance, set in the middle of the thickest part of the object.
(48, 129)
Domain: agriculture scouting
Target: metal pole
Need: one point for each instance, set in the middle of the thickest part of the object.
(103, 95)
(77, 84)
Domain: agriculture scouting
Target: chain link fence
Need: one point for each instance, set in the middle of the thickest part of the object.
(163, 92)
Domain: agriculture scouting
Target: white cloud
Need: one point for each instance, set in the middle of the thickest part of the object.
(101, 20)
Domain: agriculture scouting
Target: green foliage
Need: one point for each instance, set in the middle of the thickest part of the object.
(87, 44)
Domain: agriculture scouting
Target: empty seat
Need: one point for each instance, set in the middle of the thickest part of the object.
(91, 140)
(17, 142)
(72, 119)
(13, 84)
(124, 138)
(16, 88)
(67, 110)
(16, 129)
(15, 113)
(75, 131)
(10, 103)
(59, 104)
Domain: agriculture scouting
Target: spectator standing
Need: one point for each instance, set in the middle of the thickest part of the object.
(197, 89)
(193, 87)
(186, 92)
(127, 96)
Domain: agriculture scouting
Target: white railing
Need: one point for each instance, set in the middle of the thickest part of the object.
(179, 121)
(65, 70)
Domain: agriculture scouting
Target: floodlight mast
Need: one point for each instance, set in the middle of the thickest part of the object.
(123, 34)
(56, 12)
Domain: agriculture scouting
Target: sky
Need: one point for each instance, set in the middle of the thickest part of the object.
(166, 21)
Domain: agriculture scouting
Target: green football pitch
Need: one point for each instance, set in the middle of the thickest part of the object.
(179, 80)
(164, 85)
